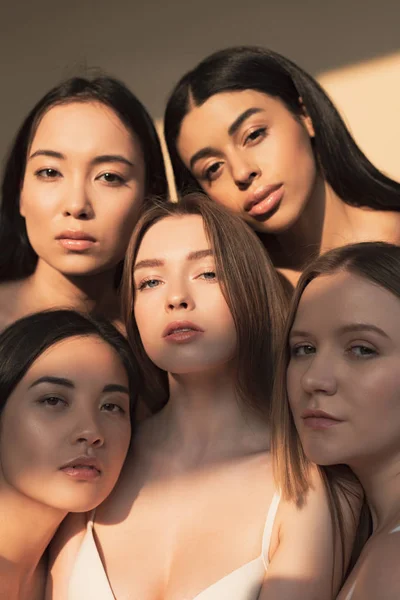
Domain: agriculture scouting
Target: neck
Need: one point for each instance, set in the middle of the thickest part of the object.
(381, 482)
(205, 421)
(26, 530)
(48, 288)
(324, 224)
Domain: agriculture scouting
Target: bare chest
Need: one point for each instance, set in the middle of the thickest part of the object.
(181, 535)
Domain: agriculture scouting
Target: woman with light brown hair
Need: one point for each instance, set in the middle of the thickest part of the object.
(336, 401)
(195, 514)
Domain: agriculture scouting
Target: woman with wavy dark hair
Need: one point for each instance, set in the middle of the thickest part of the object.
(259, 135)
(84, 161)
(68, 389)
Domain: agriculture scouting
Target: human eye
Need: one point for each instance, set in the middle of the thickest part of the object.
(211, 173)
(53, 402)
(149, 283)
(112, 407)
(111, 179)
(209, 275)
(48, 173)
(259, 133)
(362, 351)
(300, 350)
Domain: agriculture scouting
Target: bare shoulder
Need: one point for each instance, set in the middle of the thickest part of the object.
(62, 554)
(378, 576)
(306, 563)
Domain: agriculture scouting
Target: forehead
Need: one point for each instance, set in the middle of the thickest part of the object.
(83, 126)
(343, 298)
(88, 358)
(174, 236)
(222, 109)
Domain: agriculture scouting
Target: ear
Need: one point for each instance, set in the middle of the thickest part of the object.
(306, 119)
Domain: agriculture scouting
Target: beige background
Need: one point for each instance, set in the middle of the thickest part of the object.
(352, 46)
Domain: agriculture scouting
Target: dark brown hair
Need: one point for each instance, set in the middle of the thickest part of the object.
(17, 257)
(250, 286)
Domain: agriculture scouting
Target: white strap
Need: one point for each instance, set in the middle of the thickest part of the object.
(268, 528)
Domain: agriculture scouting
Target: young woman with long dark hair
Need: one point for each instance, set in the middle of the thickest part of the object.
(260, 135)
(82, 165)
(68, 388)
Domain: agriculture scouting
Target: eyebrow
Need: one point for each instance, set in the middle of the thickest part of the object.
(158, 262)
(209, 150)
(351, 328)
(63, 381)
(104, 158)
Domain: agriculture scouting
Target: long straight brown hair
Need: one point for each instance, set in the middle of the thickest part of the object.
(379, 263)
(251, 289)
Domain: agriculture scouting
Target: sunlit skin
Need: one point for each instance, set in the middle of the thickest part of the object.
(72, 404)
(345, 356)
(250, 153)
(238, 142)
(181, 278)
(85, 173)
(199, 477)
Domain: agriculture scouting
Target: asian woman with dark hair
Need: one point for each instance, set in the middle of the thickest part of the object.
(68, 388)
(85, 160)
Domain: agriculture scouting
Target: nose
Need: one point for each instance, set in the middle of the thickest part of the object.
(244, 172)
(320, 376)
(179, 298)
(77, 203)
(87, 432)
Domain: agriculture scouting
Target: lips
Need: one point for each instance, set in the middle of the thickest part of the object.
(264, 200)
(76, 241)
(82, 463)
(319, 419)
(180, 327)
(71, 234)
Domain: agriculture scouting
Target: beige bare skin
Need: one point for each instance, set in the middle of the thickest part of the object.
(85, 172)
(272, 147)
(191, 504)
(43, 426)
(353, 375)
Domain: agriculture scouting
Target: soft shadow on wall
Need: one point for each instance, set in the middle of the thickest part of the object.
(149, 44)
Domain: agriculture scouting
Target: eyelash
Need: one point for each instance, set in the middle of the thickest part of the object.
(350, 350)
(45, 401)
(48, 173)
(210, 174)
(51, 174)
(119, 408)
(117, 181)
(260, 131)
(144, 283)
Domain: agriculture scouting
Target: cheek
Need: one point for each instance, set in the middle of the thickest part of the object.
(293, 385)
(26, 449)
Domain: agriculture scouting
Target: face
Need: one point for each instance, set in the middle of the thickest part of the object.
(249, 153)
(182, 316)
(83, 186)
(65, 429)
(345, 356)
